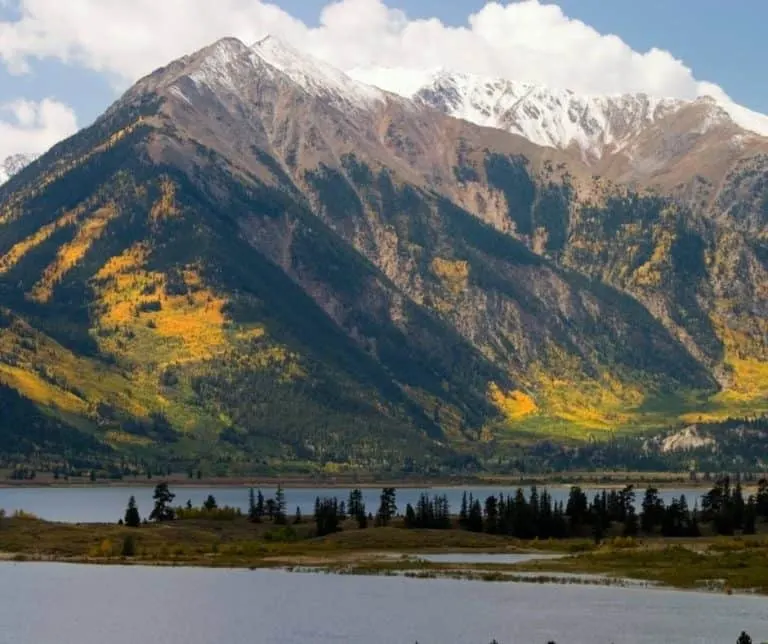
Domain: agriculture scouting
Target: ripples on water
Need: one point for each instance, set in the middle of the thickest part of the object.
(63, 604)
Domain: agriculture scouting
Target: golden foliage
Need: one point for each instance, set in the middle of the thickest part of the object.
(32, 386)
(70, 254)
(192, 325)
(17, 252)
(165, 207)
(651, 273)
(454, 274)
(47, 373)
(514, 405)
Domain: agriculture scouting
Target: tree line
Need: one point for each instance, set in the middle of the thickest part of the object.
(725, 509)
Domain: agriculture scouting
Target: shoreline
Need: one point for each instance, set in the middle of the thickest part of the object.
(288, 483)
(722, 564)
(488, 573)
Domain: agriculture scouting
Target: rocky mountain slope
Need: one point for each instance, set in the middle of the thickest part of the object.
(254, 261)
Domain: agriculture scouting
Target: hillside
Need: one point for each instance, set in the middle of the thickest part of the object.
(253, 262)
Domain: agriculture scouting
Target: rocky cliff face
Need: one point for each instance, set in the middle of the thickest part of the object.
(255, 260)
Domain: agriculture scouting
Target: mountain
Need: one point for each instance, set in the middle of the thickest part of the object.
(13, 164)
(559, 118)
(253, 262)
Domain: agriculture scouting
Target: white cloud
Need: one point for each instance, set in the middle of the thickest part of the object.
(27, 127)
(527, 40)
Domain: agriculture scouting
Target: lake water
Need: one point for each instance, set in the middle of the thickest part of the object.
(107, 504)
(66, 604)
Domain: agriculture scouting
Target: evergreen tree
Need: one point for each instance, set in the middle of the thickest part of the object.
(132, 518)
(475, 521)
(253, 512)
(260, 509)
(326, 517)
(464, 512)
(491, 515)
(210, 503)
(577, 508)
(744, 638)
(297, 518)
(410, 517)
(653, 510)
(271, 509)
(631, 524)
(387, 507)
(280, 516)
(163, 498)
(355, 504)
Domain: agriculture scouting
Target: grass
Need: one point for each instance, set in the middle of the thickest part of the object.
(717, 563)
(231, 543)
(722, 563)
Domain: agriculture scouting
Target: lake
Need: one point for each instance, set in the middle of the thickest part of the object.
(42, 603)
(107, 504)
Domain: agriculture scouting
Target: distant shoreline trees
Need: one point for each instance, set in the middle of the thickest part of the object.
(724, 511)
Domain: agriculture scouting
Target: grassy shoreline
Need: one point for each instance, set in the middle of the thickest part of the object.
(602, 480)
(714, 563)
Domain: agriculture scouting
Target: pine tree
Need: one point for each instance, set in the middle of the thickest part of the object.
(475, 520)
(132, 518)
(163, 498)
(326, 517)
(210, 503)
(744, 638)
(260, 505)
(464, 512)
(297, 518)
(410, 517)
(253, 513)
(387, 507)
(280, 517)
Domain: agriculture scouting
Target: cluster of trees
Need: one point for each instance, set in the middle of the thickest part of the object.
(259, 508)
(536, 515)
(330, 512)
(273, 509)
(430, 513)
(728, 510)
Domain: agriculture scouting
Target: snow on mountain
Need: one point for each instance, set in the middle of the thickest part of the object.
(13, 164)
(549, 117)
(229, 65)
(316, 77)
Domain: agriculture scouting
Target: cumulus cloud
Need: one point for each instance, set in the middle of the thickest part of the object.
(528, 40)
(28, 127)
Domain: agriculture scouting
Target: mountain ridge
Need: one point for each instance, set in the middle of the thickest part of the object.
(497, 102)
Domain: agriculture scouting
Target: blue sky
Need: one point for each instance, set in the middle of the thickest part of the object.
(721, 42)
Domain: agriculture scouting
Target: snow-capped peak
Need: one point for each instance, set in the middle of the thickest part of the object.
(315, 76)
(550, 117)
